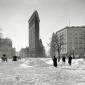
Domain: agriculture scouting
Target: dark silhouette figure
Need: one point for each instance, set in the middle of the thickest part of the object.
(55, 61)
(14, 58)
(70, 60)
(64, 59)
(4, 58)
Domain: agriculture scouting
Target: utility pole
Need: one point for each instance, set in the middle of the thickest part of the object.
(69, 21)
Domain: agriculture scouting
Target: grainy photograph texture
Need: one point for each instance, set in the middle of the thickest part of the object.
(42, 42)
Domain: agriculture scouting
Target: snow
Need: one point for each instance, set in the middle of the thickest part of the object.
(47, 61)
(24, 65)
(40, 71)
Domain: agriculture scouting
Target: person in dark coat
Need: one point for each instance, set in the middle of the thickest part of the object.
(4, 58)
(64, 59)
(70, 60)
(14, 58)
(55, 61)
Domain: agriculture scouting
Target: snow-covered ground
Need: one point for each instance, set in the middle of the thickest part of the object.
(40, 71)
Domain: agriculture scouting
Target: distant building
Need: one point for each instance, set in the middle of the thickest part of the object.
(74, 40)
(6, 47)
(42, 49)
(24, 52)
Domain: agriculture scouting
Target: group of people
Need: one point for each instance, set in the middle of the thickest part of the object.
(4, 58)
(63, 59)
(14, 58)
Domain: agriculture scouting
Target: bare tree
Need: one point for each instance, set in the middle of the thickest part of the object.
(52, 46)
(56, 44)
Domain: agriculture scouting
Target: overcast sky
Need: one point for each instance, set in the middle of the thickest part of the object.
(54, 15)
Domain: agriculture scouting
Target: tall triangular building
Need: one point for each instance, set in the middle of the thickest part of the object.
(34, 35)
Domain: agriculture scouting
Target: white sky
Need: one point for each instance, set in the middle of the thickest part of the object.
(54, 15)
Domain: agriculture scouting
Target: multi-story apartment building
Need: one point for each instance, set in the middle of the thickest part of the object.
(74, 40)
(6, 48)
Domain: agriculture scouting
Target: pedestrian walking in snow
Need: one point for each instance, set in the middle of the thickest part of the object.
(14, 58)
(70, 60)
(55, 61)
(4, 58)
(64, 59)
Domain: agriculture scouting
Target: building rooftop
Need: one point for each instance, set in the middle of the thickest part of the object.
(35, 13)
(68, 27)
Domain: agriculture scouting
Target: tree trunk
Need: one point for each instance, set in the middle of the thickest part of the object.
(58, 55)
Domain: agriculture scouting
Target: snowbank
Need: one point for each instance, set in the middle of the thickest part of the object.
(47, 60)
(24, 65)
